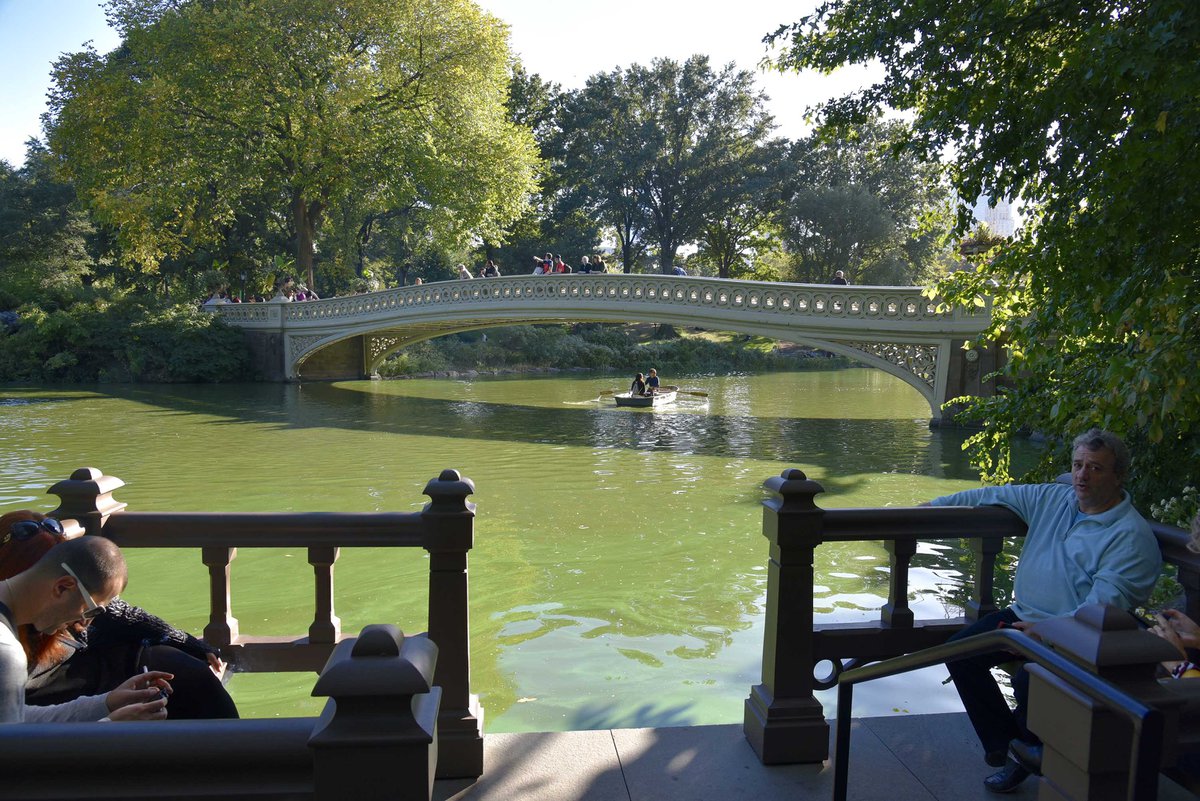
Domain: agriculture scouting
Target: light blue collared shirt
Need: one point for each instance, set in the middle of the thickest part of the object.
(1070, 560)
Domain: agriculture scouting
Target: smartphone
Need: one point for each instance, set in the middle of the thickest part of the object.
(1143, 621)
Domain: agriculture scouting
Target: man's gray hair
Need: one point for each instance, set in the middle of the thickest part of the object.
(1097, 439)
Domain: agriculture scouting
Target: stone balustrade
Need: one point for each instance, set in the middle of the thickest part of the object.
(444, 528)
(784, 720)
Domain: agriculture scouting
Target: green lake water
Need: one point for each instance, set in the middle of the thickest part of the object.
(618, 575)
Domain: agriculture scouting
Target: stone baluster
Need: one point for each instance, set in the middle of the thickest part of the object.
(783, 720)
(376, 739)
(895, 612)
(222, 628)
(87, 497)
(449, 520)
(983, 592)
(326, 626)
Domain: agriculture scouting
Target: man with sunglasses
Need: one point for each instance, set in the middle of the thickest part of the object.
(72, 581)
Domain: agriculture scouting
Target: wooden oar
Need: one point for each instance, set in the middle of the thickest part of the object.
(692, 392)
(606, 392)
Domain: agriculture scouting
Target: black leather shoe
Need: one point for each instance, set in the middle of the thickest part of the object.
(1007, 778)
(996, 759)
(1027, 755)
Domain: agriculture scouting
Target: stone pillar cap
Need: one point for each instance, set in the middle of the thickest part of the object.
(1104, 636)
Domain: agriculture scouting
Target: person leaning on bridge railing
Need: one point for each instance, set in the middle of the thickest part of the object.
(1086, 544)
(51, 594)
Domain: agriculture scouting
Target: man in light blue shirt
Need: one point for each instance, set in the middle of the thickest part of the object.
(1085, 544)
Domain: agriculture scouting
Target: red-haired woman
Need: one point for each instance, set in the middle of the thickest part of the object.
(94, 656)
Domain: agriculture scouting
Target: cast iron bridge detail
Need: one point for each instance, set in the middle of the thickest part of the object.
(897, 329)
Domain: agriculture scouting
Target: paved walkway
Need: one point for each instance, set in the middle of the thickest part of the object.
(900, 758)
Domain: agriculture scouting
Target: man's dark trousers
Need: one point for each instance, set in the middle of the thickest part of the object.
(994, 722)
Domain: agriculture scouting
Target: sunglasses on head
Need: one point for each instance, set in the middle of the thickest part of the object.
(93, 609)
(24, 529)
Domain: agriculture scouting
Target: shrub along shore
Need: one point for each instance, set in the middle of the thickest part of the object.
(595, 347)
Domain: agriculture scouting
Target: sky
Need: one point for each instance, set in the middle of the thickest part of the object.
(564, 42)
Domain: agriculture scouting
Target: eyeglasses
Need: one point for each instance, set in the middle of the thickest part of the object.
(93, 609)
(24, 529)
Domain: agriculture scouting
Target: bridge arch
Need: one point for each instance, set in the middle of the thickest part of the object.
(896, 329)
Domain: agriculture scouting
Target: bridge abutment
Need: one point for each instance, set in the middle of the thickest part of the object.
(967, 373)
(266, 350)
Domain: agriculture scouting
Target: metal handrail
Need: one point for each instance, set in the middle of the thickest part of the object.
(1147, 721)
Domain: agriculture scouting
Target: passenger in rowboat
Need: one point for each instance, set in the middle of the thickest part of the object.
(652, 382)
(638, 387)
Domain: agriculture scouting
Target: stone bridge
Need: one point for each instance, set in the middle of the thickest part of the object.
(896, 329)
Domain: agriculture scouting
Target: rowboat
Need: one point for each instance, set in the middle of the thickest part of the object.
(660, 397)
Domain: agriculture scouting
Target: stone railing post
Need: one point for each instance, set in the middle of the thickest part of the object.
(450, 520)
(983, 592)
(326, 626)
(784, 721)
(378, 739)
(1086, 745)
(222, 628)
(896, 612)
(87, 497)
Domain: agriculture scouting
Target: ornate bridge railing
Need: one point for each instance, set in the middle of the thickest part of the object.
(784, 720)
(444, 528)
(809, 301)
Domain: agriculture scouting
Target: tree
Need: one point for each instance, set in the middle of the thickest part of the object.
(861, 205)
(45, 236)
(556, 219)
(649, 147)
(599, 156)
(1089, 115)
(747, 195)
(313, 103)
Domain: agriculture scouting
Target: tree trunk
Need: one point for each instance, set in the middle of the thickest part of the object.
(303, 218)
(666, 255)
(626, 256)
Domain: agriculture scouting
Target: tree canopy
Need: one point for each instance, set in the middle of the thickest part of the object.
(648, 148)
(860, 203)
(313, 105)
(1088, 114)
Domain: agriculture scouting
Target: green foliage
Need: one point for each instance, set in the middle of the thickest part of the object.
(861, 204)
(1089, 115)
(126, 339)
(300, 110)
(658, 152)
(1179, 510)
(601, 347)
(44, 235)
